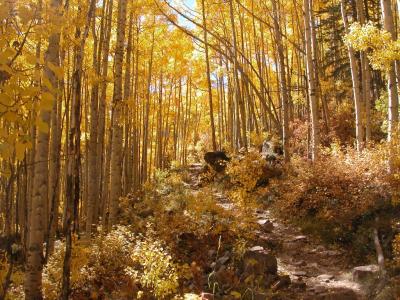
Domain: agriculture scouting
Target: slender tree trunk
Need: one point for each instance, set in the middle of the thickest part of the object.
(356, 84)
(93, 174)
(116, 146)
(73, 177)
(366, 76)
(311, 84)
(282, 82)
(209, 87)
(393, 113)
(101, 153)
(34, 265)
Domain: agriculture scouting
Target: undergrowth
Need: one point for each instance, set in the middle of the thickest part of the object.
(341, 197)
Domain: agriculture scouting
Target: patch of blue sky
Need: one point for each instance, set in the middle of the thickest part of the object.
(187, 7)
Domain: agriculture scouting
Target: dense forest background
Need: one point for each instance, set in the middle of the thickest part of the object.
(108, 107)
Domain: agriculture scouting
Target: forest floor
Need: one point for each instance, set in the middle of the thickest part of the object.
(316, 271)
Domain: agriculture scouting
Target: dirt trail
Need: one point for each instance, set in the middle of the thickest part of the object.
(324, 271)
(316, 272)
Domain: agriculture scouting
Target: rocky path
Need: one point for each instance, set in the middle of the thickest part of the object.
(315, 271)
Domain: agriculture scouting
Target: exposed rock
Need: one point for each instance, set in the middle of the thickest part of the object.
(300, 263)
(299, 238)
(256, 248)
(217, 160)
(258, 261)
(266, 225)
(363, 273)
(325, 277)
(300, 273)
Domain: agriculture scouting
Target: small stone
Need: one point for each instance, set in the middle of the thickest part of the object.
(300, 263)
(363, 273)
(299, 238)
(256, 248)
(266, 225)
(325, 277)
(300, 273)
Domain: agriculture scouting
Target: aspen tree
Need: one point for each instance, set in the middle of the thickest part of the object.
(34, 265)
(311, 83)
(116, 146)
(356, 84)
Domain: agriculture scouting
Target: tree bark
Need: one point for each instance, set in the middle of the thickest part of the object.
(282, 82)
(116, 146)
(34, 265)
(209, 87)
(315, 139)
(356, 84)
